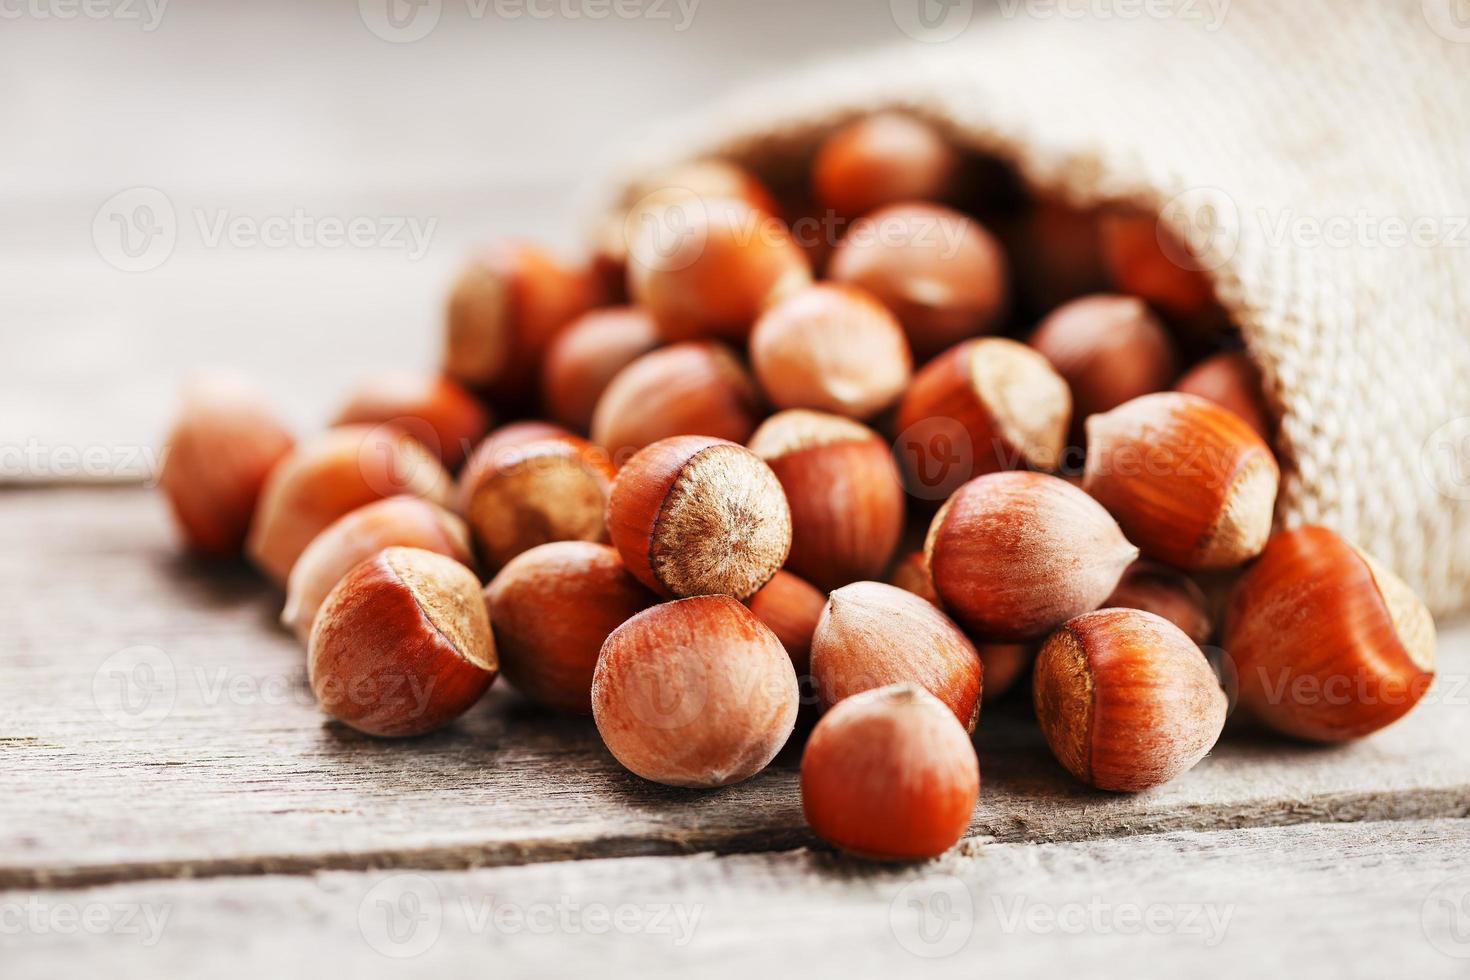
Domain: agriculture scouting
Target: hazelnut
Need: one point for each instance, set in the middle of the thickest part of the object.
(872, 635)
(409, 522)
(531, 483)
(1145, 258)
(1110, 349)
(402, 645)
(1231, 380)
(435, 410)
(587, 355)
(1005, 664)
(224, 443)
(889, 775)
(888, 158)
(845, 494)
(551, 608)
(696, 692)
(337, 472)
(693, 388)
(1168, 593)
(940, 272)
(1056, 254)
(791, 607)
(508, 304)
(1015, 555)
(1189, 482)
(986, 405)
(1327, 644)
(912, 575)
(642, 200)
(1126, 700)
(708, 266)
(832, 348)
(694, 516)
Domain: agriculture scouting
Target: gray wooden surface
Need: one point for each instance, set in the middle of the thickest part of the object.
(1366, 900)
(157, 727)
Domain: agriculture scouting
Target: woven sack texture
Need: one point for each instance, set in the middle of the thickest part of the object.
(1328, 144)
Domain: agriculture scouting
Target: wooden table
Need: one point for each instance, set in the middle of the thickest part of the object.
(172, 802)
(166, 769)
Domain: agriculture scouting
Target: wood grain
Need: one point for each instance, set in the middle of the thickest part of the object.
(159, 725)
(1370, 900)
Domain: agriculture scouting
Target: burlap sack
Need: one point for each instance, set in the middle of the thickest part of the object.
(1327, 140)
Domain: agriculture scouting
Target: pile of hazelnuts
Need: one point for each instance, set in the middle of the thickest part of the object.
(720, 433)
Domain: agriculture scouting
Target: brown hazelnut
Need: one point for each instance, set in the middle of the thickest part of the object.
(435, 410)
(887, 158)
(846, 497)
(1126, 700)
(642, 200)
(1056, 254)
(531, 483)
(508, 304)
(872, 635)
(791, 608)
(699, 516)
(586, 356)
(889, 775)
(1015, 555)
(1168, 593)
(1326, 643)
(1110, 349)
(1146, 259)
(832, 348)
(1005, 664)
(224, 443)
(940, 272)
(409, 522)
(912, 575)
(693, 388)
(402, 645)
(323, 479)
(694, 693)
(1190, 483)
(986, 405)
(551, 608)
(1231, 380)
(707, 267)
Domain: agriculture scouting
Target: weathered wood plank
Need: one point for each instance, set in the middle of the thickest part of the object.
(159, 725)
(1368, 900)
